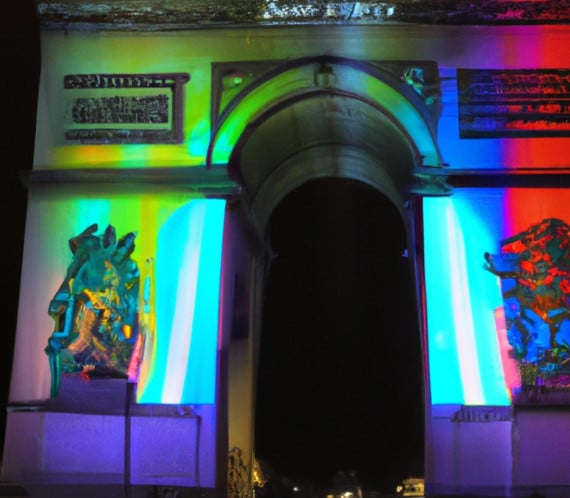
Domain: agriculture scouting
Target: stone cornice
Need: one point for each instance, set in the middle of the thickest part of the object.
(160, 14)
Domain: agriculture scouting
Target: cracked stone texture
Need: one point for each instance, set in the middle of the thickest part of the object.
(133, 14)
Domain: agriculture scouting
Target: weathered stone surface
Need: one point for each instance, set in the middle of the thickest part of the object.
(133, 14)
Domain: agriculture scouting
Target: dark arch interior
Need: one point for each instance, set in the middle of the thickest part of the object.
(340, 375)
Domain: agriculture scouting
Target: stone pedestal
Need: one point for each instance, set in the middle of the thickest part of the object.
(102, 441)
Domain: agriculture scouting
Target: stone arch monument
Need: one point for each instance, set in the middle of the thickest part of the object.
(166, 136)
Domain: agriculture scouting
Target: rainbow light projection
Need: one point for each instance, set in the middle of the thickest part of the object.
(301, 79)
(470, 356)
(181, 363)
(178, 250)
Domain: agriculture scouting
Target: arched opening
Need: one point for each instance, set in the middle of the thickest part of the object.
(325, 174)
(339, 374)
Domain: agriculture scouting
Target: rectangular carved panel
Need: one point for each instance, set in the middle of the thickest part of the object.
(124, 108)
(513, 103)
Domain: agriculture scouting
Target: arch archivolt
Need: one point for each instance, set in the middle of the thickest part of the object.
(392, 97)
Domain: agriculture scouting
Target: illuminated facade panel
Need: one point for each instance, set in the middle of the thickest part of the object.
(188, 265)
(175, 252)
(497, 294)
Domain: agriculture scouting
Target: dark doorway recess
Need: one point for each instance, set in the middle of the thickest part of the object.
(340, 376)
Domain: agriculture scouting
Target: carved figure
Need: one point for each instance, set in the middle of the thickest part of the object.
(534, 267)
(96, 308)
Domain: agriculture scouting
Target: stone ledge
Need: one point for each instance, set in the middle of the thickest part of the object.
(131, 13)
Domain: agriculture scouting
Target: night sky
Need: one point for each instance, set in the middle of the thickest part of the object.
(340, 385)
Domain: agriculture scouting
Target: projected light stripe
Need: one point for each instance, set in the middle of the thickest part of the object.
(444, 371)
(464, 356)
(462, 312)
(482, 229)
(187, 269)
(205, 326)
(187, 262)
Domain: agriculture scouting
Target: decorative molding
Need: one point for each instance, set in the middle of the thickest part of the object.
(514, 103)
(213, 182)
(124, 108)
(483, 414)
(231, 80)
(150, 14)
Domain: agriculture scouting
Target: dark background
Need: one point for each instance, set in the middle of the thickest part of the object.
(340, 385)
(19, 77)
(340, 370)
